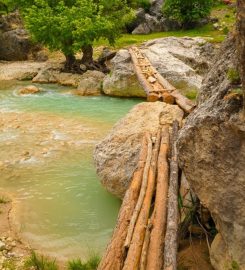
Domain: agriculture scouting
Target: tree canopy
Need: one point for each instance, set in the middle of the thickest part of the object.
(72, 25)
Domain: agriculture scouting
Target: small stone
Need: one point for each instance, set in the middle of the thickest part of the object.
(83, 67)
(152, 79)
(2, 246)
(216, 26)
(31, 89)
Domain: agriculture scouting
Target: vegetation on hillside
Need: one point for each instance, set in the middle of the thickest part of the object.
(187, 12)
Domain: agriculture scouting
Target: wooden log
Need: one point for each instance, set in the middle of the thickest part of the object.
(114, 256)
(143, 259)
(168, 98)
(141, 195)
(184, 103)
(141, 77)
(134, 253)
(170, 249)
(156, 247)
(152, 97)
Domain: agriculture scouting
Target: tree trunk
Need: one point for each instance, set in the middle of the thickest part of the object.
(70, 60)
(114, 256)
(170, 249)
(156, 247)
(87, 58)
(241, 43)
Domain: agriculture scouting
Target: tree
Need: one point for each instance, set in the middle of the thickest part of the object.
(72, 25)
(187, 12)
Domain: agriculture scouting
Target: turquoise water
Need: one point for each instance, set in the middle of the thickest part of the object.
(46, 147)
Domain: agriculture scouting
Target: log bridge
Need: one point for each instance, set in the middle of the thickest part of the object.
(145, 237)
(155, 86)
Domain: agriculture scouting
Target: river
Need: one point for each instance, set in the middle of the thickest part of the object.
(46, 146)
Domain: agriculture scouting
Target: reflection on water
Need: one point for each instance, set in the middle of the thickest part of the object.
(46, 144)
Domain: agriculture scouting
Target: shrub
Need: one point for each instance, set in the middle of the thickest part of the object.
(91, 264)
(145, 4)
(233, 76)
(187, 12)
(39, 262)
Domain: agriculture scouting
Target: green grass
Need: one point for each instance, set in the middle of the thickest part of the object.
(91, 264)
(225, 13)
(207, 32)
(39, 262)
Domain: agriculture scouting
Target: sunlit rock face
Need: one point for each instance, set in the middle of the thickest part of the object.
(117, 155)
(212, 155)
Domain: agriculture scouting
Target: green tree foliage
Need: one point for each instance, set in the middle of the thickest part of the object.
(71, 25)
(145, 4)
(187, 12)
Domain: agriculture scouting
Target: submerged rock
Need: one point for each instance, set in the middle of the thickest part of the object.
(116, 156)
(31, 89)
(212, 155)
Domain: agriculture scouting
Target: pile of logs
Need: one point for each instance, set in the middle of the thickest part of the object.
(155, 86)
(146, 233)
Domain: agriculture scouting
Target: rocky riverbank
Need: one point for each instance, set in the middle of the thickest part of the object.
(182, 61)
(13, 252)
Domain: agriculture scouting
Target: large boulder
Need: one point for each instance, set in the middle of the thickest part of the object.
(53, 74)
(156, 7)
(153, 21)
(24, 70)
(212, 154)
(148, 25)
(90, 83)
(15, 43)
(122, 80)
(116, 156)
(182, 61)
